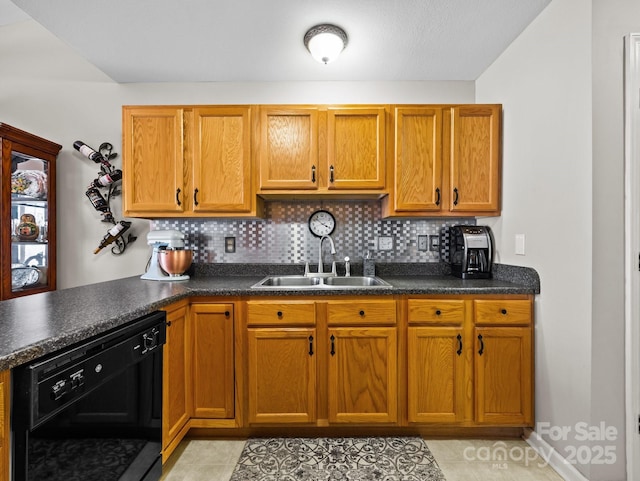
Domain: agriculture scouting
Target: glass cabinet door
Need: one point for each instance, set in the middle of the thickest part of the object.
(29, 223)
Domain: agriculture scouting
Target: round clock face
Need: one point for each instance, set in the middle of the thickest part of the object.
(322, 223)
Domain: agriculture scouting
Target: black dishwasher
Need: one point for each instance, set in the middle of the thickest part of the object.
(92, 411)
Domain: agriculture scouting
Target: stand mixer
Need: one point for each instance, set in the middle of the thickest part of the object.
(161, 240)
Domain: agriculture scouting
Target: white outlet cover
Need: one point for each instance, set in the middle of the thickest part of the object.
(385, 243)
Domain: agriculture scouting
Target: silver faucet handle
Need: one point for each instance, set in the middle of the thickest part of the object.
(306, 269)
(347, 267)
(333, 268)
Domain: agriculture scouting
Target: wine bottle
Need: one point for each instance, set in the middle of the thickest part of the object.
(90, 153)
(114, 233)
(99, 203)
(107, 179)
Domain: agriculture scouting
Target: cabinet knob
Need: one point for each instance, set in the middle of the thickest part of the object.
(503, 311)
(362, 313)
(226, 313)
(438, 312)
(279, 313)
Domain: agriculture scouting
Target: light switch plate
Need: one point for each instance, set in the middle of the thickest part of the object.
(385, 243)
(520, 244)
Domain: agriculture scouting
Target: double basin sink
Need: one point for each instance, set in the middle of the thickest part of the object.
(317, 282)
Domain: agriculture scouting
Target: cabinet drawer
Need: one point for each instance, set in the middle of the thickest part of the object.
(503, 312)
(436, 311)
(356, 312)
(262, 313)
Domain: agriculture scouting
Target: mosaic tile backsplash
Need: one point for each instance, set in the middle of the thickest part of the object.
(283, 236)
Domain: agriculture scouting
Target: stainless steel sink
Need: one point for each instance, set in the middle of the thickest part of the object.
(288, 281)
(356, 281)
(311, 282)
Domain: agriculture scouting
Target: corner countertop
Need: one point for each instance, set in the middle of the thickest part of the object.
(33, 326)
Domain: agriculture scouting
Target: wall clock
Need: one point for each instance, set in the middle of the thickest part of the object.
(321, 223)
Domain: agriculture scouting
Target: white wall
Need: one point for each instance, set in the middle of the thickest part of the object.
(561, 86)
(46, 88)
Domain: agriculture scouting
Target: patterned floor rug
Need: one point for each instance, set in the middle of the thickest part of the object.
(337, 459)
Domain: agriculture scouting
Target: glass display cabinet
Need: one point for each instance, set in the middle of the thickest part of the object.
(27, 213)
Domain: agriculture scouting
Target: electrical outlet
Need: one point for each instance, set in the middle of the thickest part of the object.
(434, 243)
(385, 243)
(423, 242)
(229, 245)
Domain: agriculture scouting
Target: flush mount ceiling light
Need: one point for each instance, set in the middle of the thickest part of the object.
(325, 42)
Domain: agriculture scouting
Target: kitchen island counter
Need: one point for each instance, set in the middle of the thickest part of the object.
(33, 326)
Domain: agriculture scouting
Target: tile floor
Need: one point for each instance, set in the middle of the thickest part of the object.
(459, 459)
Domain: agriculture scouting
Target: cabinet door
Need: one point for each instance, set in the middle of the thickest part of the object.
(356, 148)
(418, 160)
(503, 375)
(362, 375)
(5, 402)
(282, 375)
(288, 148)
(153, 160)
(213, 362)
(222, 160)
(436, 374)
(175, 381)
(475, 158)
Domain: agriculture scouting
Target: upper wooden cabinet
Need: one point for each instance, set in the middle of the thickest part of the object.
(446, 161)
(319, 150)
(188, 161)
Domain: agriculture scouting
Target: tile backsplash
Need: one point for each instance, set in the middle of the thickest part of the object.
(283, 236)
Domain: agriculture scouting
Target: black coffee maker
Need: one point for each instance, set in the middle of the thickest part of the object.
(471, 251)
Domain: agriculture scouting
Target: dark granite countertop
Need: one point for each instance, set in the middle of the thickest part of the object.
(33, 326)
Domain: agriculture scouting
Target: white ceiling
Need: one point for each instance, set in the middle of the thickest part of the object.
(261, 40)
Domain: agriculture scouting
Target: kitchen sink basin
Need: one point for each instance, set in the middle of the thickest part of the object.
(311, 282)
(288, 281)
(356, 281)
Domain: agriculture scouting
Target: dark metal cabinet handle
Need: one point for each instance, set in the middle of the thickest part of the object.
(168, 323)
(361, 313)
(481, 351)
(333, 345)
(456, 195)
(279, 313)
(311, 345)
(178, 196)
(313, 174)
(226, 313)
(195, 197)
(438, 196)
(459, 338)
(438, 312)
(504, 312)
(331, 173)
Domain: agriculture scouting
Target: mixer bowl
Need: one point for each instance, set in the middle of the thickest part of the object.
(175, 262)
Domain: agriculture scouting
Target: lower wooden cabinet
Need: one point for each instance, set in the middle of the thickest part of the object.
(437, 374)
(5, 433)
(337, 357)
(363, 378)
(503, 358)
(176, 380)
(282, 375)
(213, 361)
(364, 361)
(470, 361)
